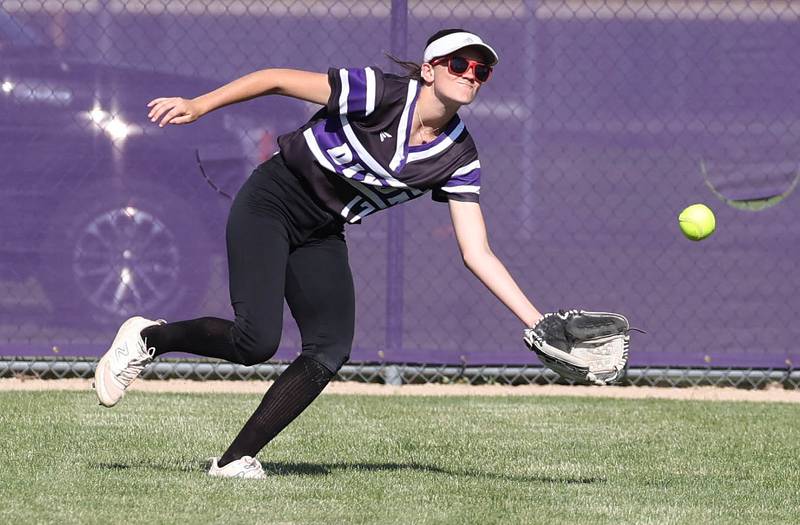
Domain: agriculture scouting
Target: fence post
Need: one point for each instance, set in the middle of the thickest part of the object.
(396, 217)
(528, 166)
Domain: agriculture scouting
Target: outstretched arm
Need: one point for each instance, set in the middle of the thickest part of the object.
(303, 85)
(478, 257)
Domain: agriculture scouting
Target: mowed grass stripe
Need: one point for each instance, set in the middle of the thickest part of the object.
(365, 459)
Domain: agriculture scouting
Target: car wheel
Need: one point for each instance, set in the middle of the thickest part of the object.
(128, 254)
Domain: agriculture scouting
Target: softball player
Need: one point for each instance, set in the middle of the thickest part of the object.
(379, 140)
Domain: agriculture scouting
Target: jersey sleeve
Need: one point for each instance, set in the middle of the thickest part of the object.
(463, 185)
(355, 92)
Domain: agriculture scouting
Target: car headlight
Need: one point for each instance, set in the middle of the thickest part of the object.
(112, 125)
(36, 91)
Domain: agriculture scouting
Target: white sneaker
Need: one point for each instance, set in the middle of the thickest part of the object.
(124, 361)
(245, 467)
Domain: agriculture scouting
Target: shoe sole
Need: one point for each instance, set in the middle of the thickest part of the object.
(100, 372)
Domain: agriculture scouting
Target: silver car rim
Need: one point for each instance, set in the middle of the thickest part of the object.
(126, 261)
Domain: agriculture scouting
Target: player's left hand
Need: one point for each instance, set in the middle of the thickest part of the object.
(584, 347)
(173, 110)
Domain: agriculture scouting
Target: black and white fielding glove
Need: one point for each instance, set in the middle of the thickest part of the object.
(584, 347)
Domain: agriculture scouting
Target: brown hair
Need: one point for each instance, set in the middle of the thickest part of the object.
(413, 69)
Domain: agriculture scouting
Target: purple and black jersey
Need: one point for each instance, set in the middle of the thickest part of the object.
(354, 153)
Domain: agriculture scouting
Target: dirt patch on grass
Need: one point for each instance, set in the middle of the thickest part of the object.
(706, 393)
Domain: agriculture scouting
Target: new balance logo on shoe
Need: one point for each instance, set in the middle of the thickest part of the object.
(122, 351)
(384, 135)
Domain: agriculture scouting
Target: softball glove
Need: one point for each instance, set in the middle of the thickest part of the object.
(583, 347)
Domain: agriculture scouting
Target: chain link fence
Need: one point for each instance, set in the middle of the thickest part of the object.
(397, 374)
(602, 121)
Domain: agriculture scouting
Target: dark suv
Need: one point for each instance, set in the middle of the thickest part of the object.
(100, 209)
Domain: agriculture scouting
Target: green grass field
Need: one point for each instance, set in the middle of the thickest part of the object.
(361, 459)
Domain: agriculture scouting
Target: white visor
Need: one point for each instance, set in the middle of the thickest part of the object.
(453, 42)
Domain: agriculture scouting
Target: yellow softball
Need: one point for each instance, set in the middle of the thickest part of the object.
(697, 222)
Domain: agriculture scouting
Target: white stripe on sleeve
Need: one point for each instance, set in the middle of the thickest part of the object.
(371, 102)
(466, 169)
(345, 91)
(461, 189)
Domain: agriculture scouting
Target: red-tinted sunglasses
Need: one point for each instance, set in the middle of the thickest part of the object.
(459, 65)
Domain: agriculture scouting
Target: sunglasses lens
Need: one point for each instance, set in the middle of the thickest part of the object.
(482, 72)
(458, 65)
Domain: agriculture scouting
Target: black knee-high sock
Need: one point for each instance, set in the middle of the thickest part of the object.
(206, 336)
(291, 393)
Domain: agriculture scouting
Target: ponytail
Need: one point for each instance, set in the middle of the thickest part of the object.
(413, 70)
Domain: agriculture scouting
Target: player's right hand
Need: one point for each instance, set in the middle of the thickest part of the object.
(173, 110)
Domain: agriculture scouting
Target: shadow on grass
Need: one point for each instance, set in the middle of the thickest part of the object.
(324, 469)
(321, 469)
(149, 465)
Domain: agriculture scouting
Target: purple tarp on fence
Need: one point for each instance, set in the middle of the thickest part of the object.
(597, 128)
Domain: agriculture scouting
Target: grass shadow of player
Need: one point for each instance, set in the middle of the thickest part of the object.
(322, 469)
(193, 466)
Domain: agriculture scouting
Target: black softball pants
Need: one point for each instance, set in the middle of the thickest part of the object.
(281, 244)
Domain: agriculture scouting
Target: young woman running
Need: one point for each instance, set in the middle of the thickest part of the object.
(379, 140)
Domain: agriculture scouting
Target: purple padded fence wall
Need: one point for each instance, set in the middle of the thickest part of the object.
(602, 121)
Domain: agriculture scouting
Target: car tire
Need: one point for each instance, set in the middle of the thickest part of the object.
(123, 252)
